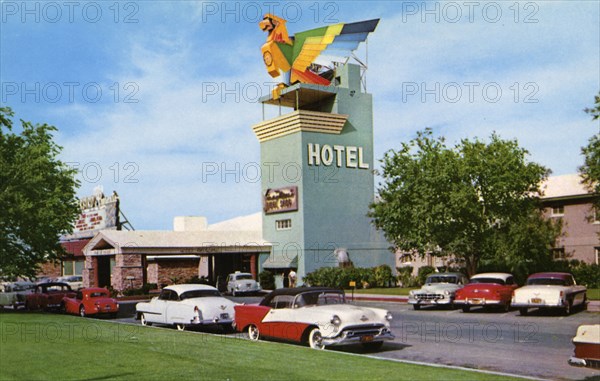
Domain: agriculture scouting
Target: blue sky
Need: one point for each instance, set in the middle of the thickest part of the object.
(155, 99)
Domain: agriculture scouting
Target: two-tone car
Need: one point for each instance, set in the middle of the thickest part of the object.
(187, 305)
(316, 316)
(486, 290)
(587, 346)
(439, 289)
(242, 283)
(46, 296)
(91, 301)
(549, 290)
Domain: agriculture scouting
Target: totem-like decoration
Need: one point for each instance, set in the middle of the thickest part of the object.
(292, 58)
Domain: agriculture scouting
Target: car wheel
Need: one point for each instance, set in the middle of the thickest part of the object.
(505, 307)
(253, 332)
(315, 339)
(466, 308)
(82, 311)
(523, 311)
(416, 307)
(180, 327)
(144, 321)
(568, 308)
(373, 346)
(62, 308)
(233, 293)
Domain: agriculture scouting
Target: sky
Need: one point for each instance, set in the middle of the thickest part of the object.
(155, 100)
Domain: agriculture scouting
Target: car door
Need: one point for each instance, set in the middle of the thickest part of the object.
(280, 321)
(156, 310)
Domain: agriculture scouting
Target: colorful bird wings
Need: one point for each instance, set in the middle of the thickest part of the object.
(338, 40)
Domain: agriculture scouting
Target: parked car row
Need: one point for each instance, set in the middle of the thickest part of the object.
(318, 317)
(549, 290)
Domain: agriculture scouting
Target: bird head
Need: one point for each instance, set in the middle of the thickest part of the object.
(275, 26)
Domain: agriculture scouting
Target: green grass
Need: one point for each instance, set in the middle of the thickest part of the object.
(384, 291)
(57, 347)
(593, 294)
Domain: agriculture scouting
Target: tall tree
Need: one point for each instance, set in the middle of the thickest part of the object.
(460, 201)
(590, 170)
(37, 197)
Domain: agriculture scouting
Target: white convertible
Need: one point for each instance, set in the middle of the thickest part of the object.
(549, 290)
(186, 305)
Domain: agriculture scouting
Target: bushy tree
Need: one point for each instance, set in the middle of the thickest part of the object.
(590, 170)
(37, 197)
(466, 201)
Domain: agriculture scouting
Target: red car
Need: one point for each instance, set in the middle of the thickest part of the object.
(485, 290)
(91, 301)
(49, 295)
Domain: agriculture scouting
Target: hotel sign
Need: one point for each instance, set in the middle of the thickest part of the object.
(280, 200)
(98, 212)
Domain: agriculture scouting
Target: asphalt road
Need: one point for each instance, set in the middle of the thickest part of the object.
(537, 345)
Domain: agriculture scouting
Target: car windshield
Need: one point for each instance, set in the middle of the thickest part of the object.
(546, 282)
(199, 294)
(442, 279)
(319, 298)
(244, 277)
(487, 280)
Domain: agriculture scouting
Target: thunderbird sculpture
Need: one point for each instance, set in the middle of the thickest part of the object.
(292, 58)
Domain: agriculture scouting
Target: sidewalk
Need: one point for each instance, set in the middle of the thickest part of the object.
(593, 305)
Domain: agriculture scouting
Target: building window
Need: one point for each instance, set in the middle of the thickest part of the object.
(406, 258)
(558, 211)
(597, 251)
(283, 224)
(596, 216)
(558, 254)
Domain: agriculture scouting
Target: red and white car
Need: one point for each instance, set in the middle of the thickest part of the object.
(487, 290)
(316, 316)
(549, 290)
(587, 346)
(91, 301)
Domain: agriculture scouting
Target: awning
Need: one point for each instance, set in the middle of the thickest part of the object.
(281, 262)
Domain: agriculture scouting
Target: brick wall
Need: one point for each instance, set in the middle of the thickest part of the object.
(164, 273)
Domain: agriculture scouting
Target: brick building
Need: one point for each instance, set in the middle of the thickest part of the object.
(129, 259)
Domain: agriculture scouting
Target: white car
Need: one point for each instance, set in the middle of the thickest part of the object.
(75, 281)
(316, 316)
(14, 293)
(186, 305)
(549, 290)
(242, 283)
(439, 289)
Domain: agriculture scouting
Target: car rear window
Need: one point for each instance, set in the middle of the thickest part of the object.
(547, 282)
(199, 294)
(487, 280)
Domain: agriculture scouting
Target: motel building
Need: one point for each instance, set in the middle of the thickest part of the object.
(315, 218)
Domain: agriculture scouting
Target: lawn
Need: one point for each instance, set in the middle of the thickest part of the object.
(592, 293)
(37, 346)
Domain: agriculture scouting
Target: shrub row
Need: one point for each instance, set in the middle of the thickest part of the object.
(380, 276)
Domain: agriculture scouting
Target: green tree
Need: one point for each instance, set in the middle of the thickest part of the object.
(590, 170)
(460, 201)
(37, 197)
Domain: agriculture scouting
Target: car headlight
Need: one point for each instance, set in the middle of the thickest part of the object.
(335, 320)
(388, 316)
(446, 292)
(411, 292)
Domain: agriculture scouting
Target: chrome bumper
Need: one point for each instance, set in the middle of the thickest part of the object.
(349, 337)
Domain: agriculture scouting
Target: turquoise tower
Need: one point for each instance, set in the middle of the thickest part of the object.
(317, 178)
